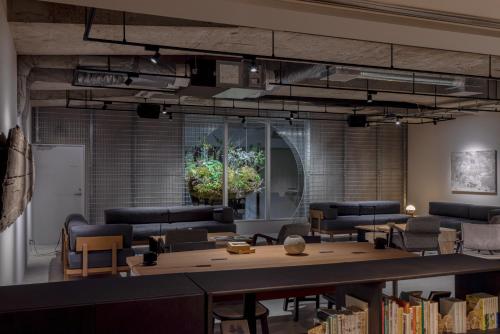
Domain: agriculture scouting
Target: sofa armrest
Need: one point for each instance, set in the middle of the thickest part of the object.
(491, 216)
(224, 215)
(330, 210)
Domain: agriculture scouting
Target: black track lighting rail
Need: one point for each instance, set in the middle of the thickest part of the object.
(91, 12)
(386, 117)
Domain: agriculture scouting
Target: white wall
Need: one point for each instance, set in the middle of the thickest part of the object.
(12, 240)
(429, 155)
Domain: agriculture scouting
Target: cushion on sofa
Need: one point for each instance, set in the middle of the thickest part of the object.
(75, 219)
(329, 209)
(391, 218)
(190, 213)
(480, 212)
(381, 207)
(449, 209)
(347, 208)
(223, 215)
(493, 213)
(137, 215)
(99, 259)
(98, 231)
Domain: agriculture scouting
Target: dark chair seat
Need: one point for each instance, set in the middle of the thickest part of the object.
(234, 311)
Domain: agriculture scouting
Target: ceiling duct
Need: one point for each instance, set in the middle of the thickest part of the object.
(110, 79)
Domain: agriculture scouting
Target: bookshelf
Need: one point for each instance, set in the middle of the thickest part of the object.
(364, 280)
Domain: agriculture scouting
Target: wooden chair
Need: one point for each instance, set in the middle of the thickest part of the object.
(315, 219)
(86, 245)
(234, 311)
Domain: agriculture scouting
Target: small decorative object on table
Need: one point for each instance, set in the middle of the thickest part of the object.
(239, 247)
(294, 245)
(411, 210)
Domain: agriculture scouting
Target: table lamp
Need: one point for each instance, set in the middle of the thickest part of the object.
(410, 210)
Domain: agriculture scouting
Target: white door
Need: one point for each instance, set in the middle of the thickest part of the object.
(59, 189)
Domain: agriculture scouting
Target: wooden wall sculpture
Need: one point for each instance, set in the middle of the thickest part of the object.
(16, 173)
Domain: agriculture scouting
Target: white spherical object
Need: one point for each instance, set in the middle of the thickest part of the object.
(294, 245)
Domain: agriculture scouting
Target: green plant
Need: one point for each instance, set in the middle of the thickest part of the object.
(204, 171)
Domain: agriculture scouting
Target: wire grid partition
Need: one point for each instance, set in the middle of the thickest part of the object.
(141, 162)
(351, 164)
(129, 161)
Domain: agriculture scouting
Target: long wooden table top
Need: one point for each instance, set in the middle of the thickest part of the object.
(285, 279)
(264, 257)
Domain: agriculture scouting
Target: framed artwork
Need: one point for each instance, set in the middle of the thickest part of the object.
(474, 172)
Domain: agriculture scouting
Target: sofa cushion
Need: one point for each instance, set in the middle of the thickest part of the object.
(347, 208)
(99, 259)
(391, 218)
(75, 219)
(480, 212)
(329, 209)
(345, 223)
(99, 231)
(457, 210)
(136, 215)
(144, 231)
(381, 207)
(492, 214)
(223, 215)
(190, 213)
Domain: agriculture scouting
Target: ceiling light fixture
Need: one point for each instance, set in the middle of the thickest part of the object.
(105, 105)
(155, 59)
(398, 121)
(243, 119)
(435, 121)
(129, 80)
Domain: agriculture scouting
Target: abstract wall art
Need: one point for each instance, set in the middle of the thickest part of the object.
(474, 172)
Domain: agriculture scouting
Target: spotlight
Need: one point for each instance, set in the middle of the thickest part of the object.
(254, 68)
(367, 124)
(155, 59)
(290, 120)
(243, 119)
(105, 105)
(398, 121)
(369, 98)
(170, 115)
(434, 121)
(129, 80)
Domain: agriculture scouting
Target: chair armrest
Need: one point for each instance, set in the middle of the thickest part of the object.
(268, 238)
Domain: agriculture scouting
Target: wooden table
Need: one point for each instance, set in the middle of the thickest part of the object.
(447, 237)
(264, 257)
(220, 238)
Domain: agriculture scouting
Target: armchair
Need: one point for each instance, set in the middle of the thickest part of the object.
(420, 234)
(301, 229)
(480, 237)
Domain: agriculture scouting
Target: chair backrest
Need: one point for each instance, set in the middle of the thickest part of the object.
(481, 236)
(293, 229)
(428, 225)
(185, 235)
(100, 243)
(191, 246)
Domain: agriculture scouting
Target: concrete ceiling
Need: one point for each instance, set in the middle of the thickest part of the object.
(48, 37)
(317, 19)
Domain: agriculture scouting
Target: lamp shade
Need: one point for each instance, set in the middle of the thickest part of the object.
(410, 209)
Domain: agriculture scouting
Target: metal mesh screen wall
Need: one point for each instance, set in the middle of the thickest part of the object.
(357, 163)
(129, 161)
(140, 162)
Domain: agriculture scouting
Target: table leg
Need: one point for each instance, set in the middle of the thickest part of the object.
(249, 311)
(361, 236)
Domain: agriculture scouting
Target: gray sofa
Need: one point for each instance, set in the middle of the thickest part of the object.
(148, 221)
(453, 215)
(344, 216)
(77, 226)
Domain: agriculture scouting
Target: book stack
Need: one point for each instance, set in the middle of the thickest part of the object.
(353, 319)
(454, 312)
(482, 311)
(239, 247)
(415, 316)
